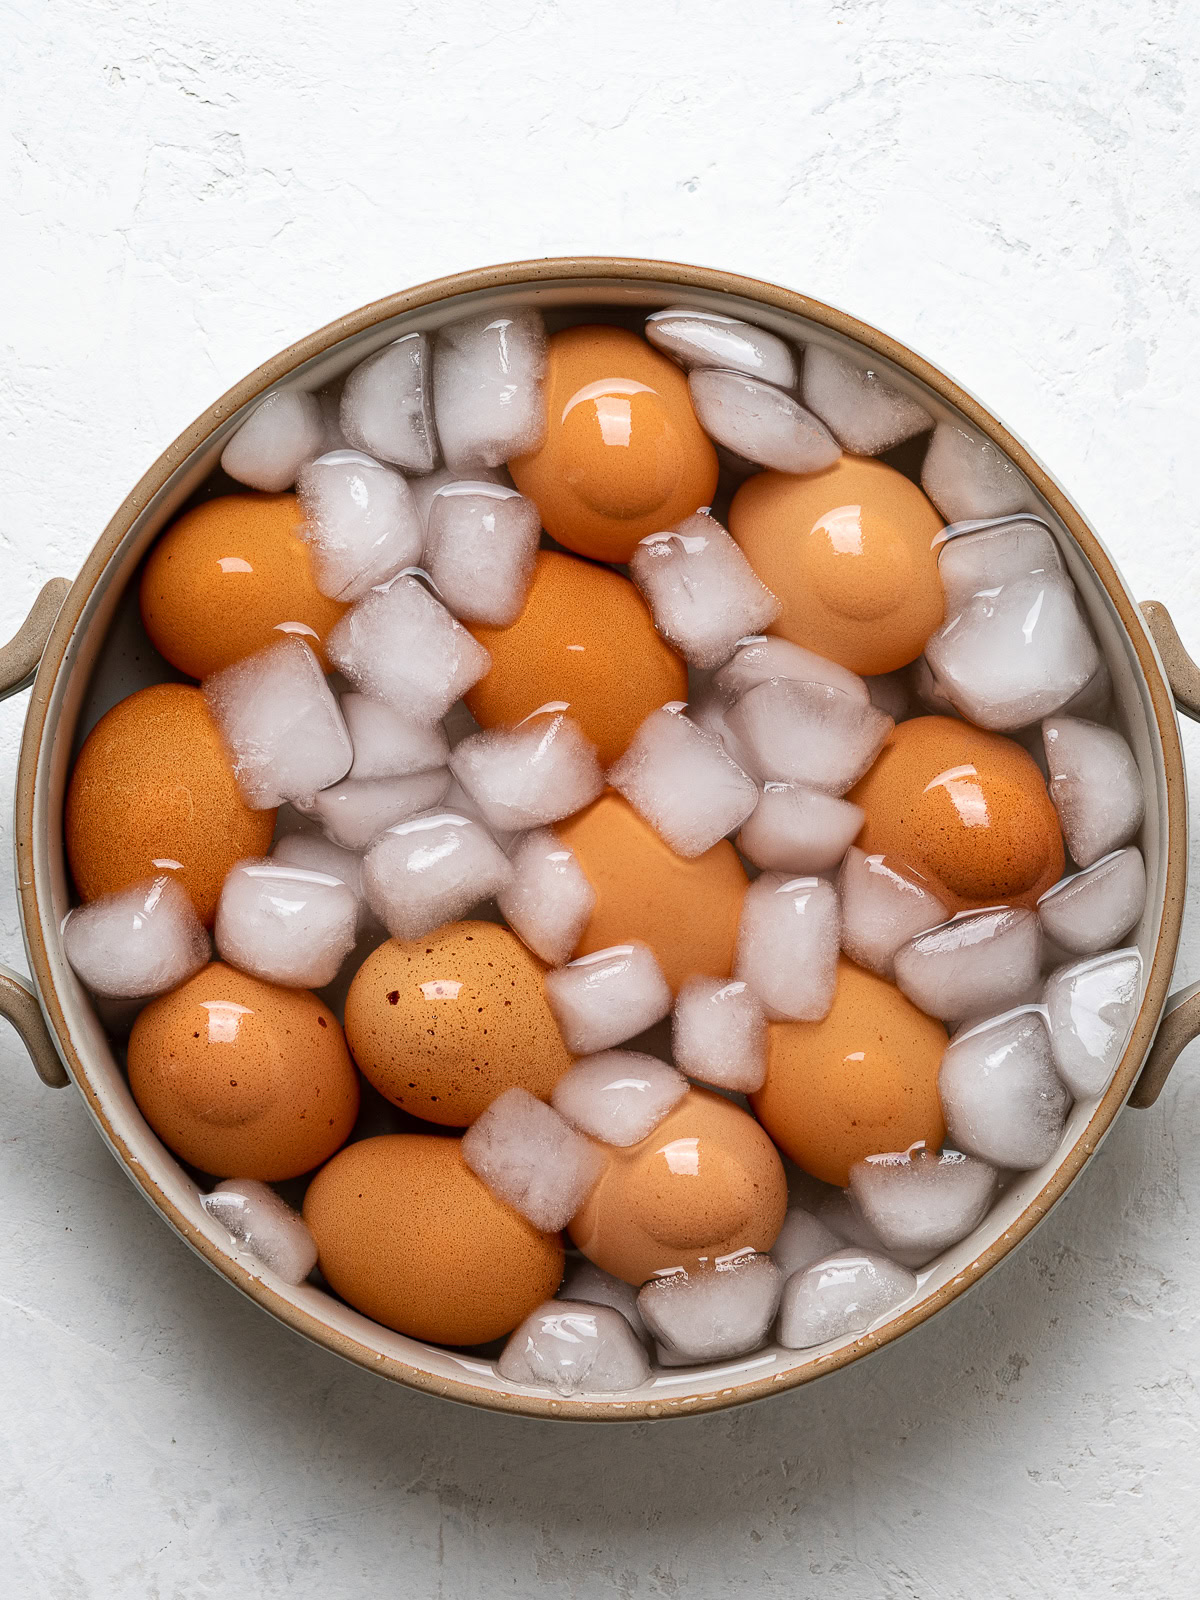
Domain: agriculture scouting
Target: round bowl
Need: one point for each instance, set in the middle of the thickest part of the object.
(92, 654)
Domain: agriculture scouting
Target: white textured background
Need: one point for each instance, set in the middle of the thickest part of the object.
(1012, 188)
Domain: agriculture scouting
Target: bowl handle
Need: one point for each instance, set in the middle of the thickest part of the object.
(1181, 1015)
(18, 663)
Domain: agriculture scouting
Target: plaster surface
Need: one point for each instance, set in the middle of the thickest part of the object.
(1012, 189)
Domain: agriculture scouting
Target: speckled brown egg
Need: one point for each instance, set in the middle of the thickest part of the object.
(705, 1183)
(153, 792)
(861, 1082)
(411, 1237)
(623, 454)
(849, 553)
(442, 1025)
(968, 809)
(686, 911)
(227, 578)
(241, 1078)
(585, 637)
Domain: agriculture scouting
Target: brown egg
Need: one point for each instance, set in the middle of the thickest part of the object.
(229, 575)
(849, 553)
(241, 1078)
(442, 1025)
(153, 792)
(411, 1237)
(968, 809)
(587, 638)
(623, 455)
(861, 1082)
(705, 1183)
(686, 911)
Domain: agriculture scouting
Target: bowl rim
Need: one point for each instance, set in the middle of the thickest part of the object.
(564, 271)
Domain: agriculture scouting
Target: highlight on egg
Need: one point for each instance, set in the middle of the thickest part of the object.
(768, 849)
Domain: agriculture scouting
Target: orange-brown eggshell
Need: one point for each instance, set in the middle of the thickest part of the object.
(861, 1082)
(227, 577)
(152, 791)
(623, 455)
(412, 1238)
(686, 910)
(443, 1024)
(848, 552)
(586, 637)
(241, 1078)
(705, 1183)
(968, 809)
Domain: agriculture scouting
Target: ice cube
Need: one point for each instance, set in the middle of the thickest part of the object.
(760, 423)
(707, 339)
(1090, 1008)
(587, 1282)
(787, 945)
(841, 1295)
(864, 412)
(387, 744)
(549, 900)
(360, 523)
(1014, 654)
(719, 1034)
(483, 541)
(280, 724)
(400, 646)
(682, 782)
(761, 658)
(355, 812)
(532, 1159)
(794, 829)
(574, 1348)
(606, 997)
(921, 1201)
(1000, 1094)
(702, 591)
(524, 777)
(315, 853)
(967, 477)
(1092, 910)
(488, 378)
(977, 963)
(1095, 785)
(618, 1096)
(285, 924)
(264, 1225)
(426, 490)
(974, 557)
(802, 1240)
(431, 870)
(275, 441)
(387, 407)
(808, 733)
(884, 904)
(138, 942)
(713, 1313)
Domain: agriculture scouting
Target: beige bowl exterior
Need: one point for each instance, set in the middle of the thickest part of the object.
(80, 633)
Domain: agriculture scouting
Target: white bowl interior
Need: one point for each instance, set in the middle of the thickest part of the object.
(109, 656)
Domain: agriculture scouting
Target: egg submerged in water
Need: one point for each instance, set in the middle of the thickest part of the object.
(241, 1078)
(408, 1235)
(443, 1024)
(706, 1183)
(623, 455)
